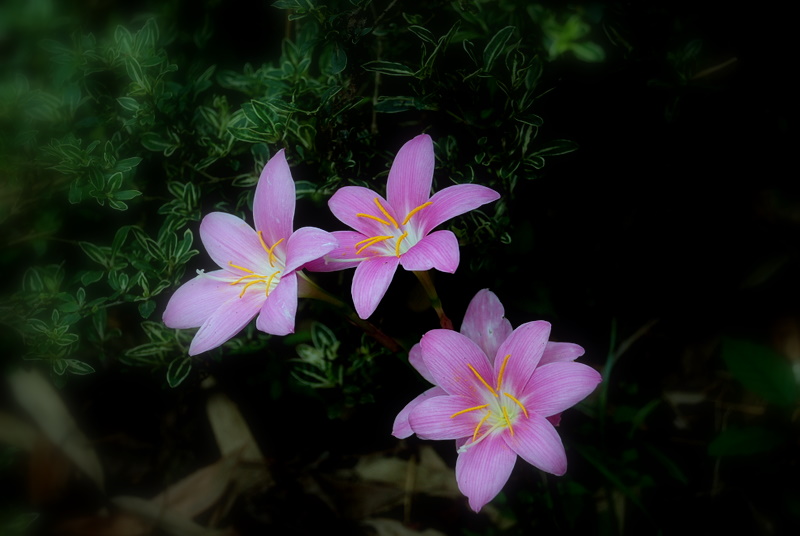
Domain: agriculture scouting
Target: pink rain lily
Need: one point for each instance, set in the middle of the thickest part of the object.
(397, 230)
(496, 392)
(259, 268)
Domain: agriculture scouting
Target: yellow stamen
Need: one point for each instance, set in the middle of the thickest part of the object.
(468, 410)
(505, 414)
(475, 372)
(423, 205)
(240, 268)
(370, 242)
(269, 281)
(250, 284)
(478, 427)
(271, 254)
(269, 250)
(370, 216)
(502, 370)
(243, 278)
(525, 411)
(388, 216)
(397, 245)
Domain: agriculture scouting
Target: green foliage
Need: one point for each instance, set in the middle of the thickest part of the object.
(122, 136)
(761, 370)
(744, 441)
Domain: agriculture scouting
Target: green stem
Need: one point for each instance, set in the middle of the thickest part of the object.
(427, 283)
(312, 290)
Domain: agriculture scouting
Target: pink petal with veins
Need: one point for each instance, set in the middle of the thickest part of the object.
(274, 201)
(438, 250)
(411, 175)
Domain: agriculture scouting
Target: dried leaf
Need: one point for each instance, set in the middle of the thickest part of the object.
(392, 527)
(16, 432)
(38, 397)
(431, 474)
(117, 524)
(230, 429)
(168, 522)
(197, 492)
(48, 472)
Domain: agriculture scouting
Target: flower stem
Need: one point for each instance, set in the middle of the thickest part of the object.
(436, 303)
(309, 289)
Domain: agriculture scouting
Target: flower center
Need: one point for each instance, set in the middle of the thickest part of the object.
(499, 413)
(399, 233)
(269, 279)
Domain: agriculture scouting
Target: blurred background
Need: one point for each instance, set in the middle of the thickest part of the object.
(648, 211)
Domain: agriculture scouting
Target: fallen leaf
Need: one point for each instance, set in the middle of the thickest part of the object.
(392, 527)
(41, 401)
(230, 429)
(199, 491)
(168, 522)
(16, 432)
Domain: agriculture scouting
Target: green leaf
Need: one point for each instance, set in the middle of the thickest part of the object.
(135, 71)
(128, 103)
(530, 119)
(96, 253)
(760, 370)
(537, 162)
(496, 46)
(146, 308)
(60, 366)
(249, 135)
(588, 52)
(127, 163)
(179, 368)
(422, 33)
(322, 336)
(556, 147)
(123, 38)
(153, 142)
(92, 276)
(124, 195)
(79, 367)
(744, 441)
(388, 67)
(75, 193)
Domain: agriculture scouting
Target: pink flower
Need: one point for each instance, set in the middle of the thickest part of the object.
(497, 390)
(259, 267)
(397, 230)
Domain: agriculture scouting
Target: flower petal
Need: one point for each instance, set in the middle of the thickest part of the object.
(411, 175)
(525, 346)
(370, 281)
(229, 239)
(274, 201)
(280, 308)
(431, 418)
(341, 257)
(402, 428)
(560, 351)
(437, 250)
(349, 201)
(483, 469)
(416, 361)
(451, 202)
(538, 443)
(197, 299)
(555, 420)
(485, 322)
(226, 321)
(559, 386)
(448, 354)
(307, 244)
